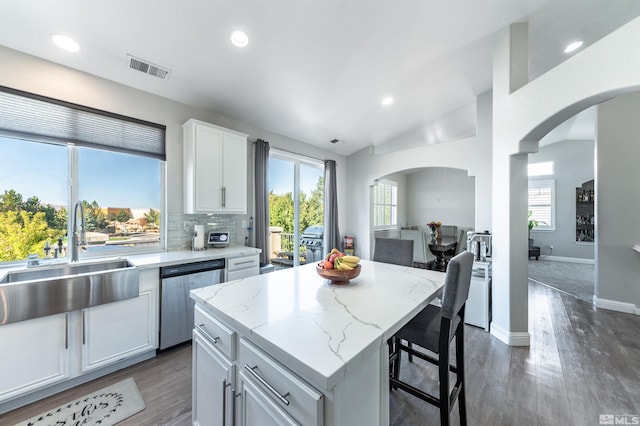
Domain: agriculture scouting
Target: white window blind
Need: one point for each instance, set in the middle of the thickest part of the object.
(542, 203)
(24, 115)
(385, 204)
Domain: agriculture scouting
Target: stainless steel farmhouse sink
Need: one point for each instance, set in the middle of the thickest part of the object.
(53, 289)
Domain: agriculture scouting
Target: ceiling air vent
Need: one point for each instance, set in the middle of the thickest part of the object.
(148, 68)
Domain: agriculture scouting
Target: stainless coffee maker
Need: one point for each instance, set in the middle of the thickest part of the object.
(479, 243)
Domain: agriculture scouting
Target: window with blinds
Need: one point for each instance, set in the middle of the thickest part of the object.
(542, 203)
(55, 154)
(385, 205)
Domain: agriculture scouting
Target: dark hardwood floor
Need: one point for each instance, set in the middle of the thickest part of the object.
(581, 363)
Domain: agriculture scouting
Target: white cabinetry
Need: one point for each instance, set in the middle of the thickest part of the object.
(258, 408)
(33, 354)
(242, 267)
(213, 386)
(268, 389)
(38, 356)
(478, 310)
(215, 169)
(254, 389)
(119, 330)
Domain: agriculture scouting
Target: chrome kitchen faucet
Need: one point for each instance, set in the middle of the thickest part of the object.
(74, 228)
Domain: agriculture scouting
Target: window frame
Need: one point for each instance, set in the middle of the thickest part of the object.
(73, 178)
(538, 184)
(375, 204)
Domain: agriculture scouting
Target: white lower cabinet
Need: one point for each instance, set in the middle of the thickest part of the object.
(119, 330)
(50, 350)
(268, 386)
(258, 408)
(254, 389)
(37, 356)
(213, 386)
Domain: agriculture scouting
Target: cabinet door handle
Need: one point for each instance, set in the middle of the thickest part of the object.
(225, 385)
(234, 395)
(245, 262)
(84, 327)
(224, 197)
(281, 397)
(200, 328)
(66, 331)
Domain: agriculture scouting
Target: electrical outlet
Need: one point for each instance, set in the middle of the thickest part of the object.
(187, 227)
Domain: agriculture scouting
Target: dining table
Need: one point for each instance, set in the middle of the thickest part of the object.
(440, 248)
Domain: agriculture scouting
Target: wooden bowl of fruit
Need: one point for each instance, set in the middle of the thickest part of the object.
(339, 268)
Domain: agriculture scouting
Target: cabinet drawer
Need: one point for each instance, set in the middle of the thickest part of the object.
(293, 395)
(245, 262)
(215, 332)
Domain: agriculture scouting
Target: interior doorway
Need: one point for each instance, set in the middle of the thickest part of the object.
(561, 202)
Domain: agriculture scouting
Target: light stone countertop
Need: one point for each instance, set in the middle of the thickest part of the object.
(169, 258)
(151, 259)
(319, 330)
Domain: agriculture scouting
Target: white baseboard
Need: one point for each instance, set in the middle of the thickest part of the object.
(569, 259)
(614, 305)
(509, 337)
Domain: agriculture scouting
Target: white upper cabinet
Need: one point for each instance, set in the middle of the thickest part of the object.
(215, 169)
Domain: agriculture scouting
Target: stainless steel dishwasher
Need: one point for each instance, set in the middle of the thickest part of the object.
(176, 307)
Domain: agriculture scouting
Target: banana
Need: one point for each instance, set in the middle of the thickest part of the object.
(351, 259)
(346, 266)
(336, 264)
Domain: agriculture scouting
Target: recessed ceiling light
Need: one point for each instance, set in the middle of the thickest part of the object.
(239, 38)
(387, 101)
(65, 43)
(573, 46)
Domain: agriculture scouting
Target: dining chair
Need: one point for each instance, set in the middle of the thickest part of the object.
(432, 331)
(449, 230)
(393, 250)
(421, 252)
(460, 246)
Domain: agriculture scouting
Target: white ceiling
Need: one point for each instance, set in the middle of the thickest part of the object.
(314, 70)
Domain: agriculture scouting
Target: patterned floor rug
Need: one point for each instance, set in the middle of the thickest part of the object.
(105, 407)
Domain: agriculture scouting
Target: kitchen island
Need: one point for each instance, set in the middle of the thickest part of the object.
(299, 349)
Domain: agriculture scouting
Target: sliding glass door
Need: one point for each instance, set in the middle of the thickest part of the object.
(296, 202)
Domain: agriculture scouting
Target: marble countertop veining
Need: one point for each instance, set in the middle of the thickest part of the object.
(317, 329)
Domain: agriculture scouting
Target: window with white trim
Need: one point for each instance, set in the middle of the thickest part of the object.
(385, 204)
(542, 203)
(54, 154)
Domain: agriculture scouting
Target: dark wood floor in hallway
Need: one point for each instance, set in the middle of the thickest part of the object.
(581, 363)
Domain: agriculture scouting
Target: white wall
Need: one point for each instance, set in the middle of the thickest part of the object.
(31, 74)
(524, 111)
(618, 204)
(441, 194)
(573, 165)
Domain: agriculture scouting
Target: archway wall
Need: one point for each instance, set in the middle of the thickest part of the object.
(471, 154)
(523, 112)
(618, 204)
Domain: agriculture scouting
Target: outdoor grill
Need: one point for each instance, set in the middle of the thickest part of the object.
(312, 239)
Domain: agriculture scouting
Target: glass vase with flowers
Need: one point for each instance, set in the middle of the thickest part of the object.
(436, 231)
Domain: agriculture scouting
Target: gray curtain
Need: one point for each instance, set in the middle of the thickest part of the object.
(261, 224)
(331, 231)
